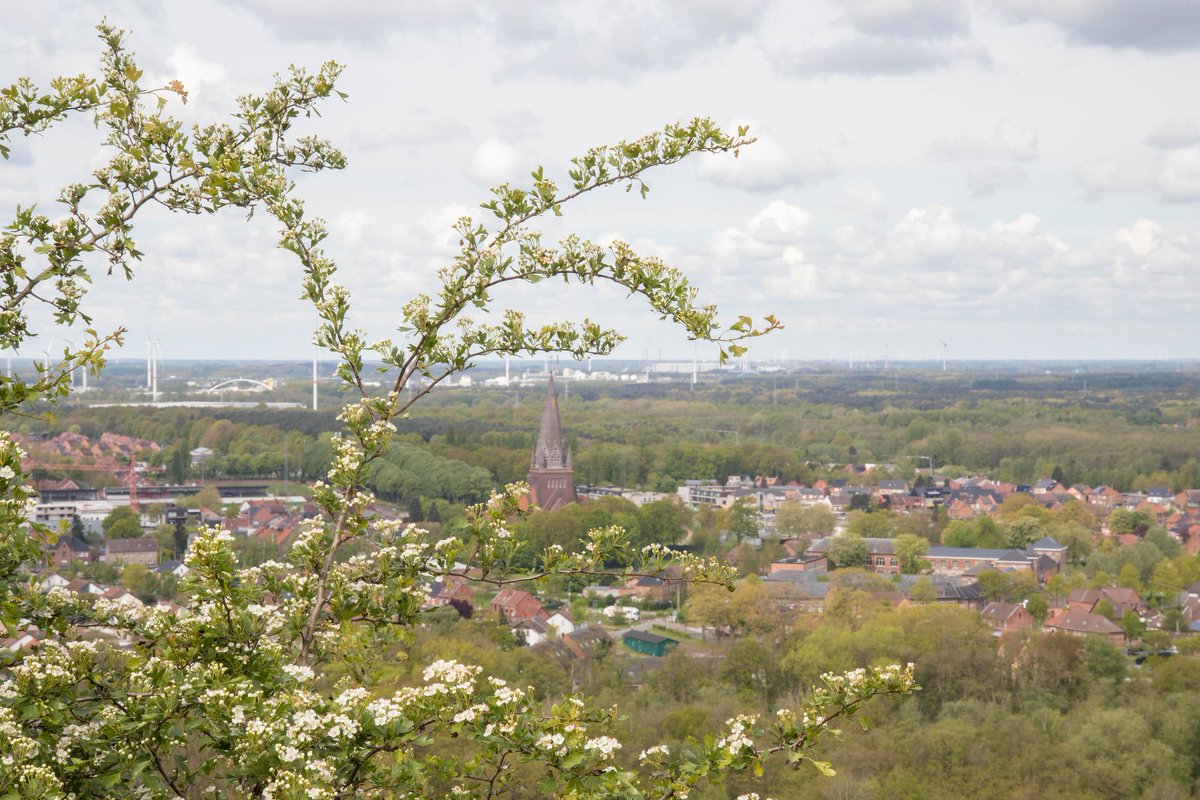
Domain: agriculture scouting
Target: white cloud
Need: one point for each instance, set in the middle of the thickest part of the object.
(625, 39)
(867, 56)
(1148, 25)
(1009, 142)
(767, 166)
(1173, 175)
(779, 223)
(1179, 177)
(864, 200)
(985, 181)
(364, 22)
(420, 130)
(1175, 133)
(495, 162)
(916, 18)
(193, 69)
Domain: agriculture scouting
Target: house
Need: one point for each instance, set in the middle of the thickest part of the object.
(71, 549)
(517, 605)
(615, 592)
(443, 593)
(587, 641)
(1081, 623)
(531, 632)
(52, 580)
(176, 568)
(1048, 486)
(650, 587)
(132, 551)
(84, 586)
(1105, 497)
(1046, 546)
(120, 594)
(1188, 500)
(650, 644)
(1006, 617)
(560, 622)
(1122, 600)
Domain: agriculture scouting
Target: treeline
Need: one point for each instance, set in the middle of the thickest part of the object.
(1129, 440)
(1123, 435)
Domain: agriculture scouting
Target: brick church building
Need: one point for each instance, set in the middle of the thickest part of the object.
(551, 477)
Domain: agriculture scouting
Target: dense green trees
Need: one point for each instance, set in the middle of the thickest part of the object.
(847, 550)
(122, 523)
(911, 551)
(659, 522)
(794, 520)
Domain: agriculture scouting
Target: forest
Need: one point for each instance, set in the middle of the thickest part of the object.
(1028, 715)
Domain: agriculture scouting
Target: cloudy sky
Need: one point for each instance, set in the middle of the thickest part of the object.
(1019, 179)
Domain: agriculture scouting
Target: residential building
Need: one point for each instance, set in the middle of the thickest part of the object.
(132, 551)
(71, 550)
(516, 605)
(1081, 623)
(1006, 617)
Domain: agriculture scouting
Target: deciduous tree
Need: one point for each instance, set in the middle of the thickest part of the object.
(848, 550)
(911, 551)
(794, 520)
(122, 523)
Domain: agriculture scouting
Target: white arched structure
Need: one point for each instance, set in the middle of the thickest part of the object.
(238, 385)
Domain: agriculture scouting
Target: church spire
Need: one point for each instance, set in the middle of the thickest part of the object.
(551, 479)
(551, 451)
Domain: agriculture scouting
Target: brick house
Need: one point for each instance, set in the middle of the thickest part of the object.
(1005, 617)
(1122, 600)
(442, 593)
(517, 605)
(70, 549)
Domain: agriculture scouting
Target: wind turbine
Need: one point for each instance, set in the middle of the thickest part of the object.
(83, 371)
(152, 368)
(46, 356)
(945, 349)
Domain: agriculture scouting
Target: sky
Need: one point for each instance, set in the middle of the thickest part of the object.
(1012, 178)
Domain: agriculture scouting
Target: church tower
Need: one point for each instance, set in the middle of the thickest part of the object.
(551, 477)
